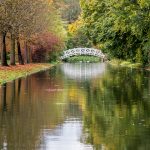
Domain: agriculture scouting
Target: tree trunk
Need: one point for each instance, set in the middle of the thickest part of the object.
(29, 48)
(20, 58)
(3, 52)
(149, 57)
(26, 53)
(12, 52)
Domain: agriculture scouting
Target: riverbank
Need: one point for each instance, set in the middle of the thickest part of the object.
(82, 58)
(128, 64)
(13, 72)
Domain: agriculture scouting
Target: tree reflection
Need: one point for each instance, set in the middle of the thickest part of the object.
(3, 96)
(118, 111)
(114, 107)
(19, 87)
(26, 111)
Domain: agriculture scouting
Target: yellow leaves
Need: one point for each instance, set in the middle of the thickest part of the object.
(50, 1)
(72, 28)
(144, 3)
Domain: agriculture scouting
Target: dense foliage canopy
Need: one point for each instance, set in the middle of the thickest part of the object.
(120, 28)
(69, 9)
(23, 21)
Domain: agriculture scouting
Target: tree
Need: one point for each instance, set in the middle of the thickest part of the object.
(24, 19)
(77, 35)
(3, 51)
(120, 28)
(70, 9)
(3, 31)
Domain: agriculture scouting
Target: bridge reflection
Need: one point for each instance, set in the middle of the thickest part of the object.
(83, 71)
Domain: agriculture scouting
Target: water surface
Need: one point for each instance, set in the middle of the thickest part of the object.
(77, 107)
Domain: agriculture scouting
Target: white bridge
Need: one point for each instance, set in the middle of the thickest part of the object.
(83, 51)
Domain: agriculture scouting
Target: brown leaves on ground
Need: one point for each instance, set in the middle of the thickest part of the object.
(13, 72)
(27, 67)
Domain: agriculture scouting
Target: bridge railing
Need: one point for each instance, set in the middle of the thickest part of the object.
(82, 51)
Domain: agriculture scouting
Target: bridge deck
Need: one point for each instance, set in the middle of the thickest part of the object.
(82, 51)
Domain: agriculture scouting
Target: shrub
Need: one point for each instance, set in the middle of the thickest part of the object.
(82, 58)
(45, 46)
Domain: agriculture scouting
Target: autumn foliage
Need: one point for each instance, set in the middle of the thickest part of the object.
(43, 45)
(25, 21)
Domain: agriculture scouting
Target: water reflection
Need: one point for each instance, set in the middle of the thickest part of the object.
(3, 97)
(66, 137)
(24, 113)
(117, 113)
(83, 71)
(47, 110)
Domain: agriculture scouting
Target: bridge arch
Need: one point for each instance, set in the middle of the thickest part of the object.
(83, 51)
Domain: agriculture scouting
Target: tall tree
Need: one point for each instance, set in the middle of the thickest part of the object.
(3, 51)
(121, 28)
(25, 19)
(70, 9)
(3, 31)
(12, 51)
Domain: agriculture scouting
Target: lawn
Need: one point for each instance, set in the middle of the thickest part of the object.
(14, 72)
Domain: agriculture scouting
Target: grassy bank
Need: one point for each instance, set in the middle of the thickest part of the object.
(13, 72)
(83, 58)
(128, 64)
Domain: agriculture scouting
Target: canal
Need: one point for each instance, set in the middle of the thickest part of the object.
(77, 107)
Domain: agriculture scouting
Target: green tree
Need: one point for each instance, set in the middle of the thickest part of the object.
(70, 9)
(121, 28)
